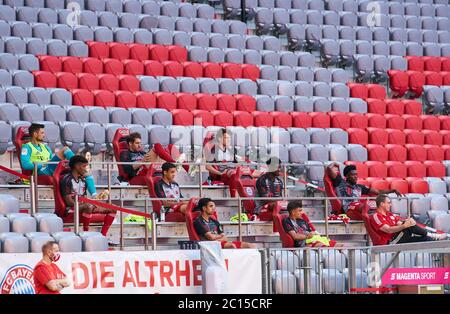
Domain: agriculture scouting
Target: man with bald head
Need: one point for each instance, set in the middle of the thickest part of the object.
(350, 189)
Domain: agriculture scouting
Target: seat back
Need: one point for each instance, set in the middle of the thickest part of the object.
(22, 137)
(376, 239)
(246, 187)
(60, 171)
(153, 175)
(285, 237)
(336, 204)
(190, 216)
(119, 145)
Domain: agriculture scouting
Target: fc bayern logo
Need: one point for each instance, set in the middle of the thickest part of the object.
(18, 280)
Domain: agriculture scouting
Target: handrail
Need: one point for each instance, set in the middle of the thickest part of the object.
(113, 207)
(399, 247)
(13, 172)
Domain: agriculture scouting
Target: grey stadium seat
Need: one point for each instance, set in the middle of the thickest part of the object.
(72, 135)
(5, 137)
(95, 137)
(21, 223)
(93, 241)
(14, 242)
(161, 117)
(68, 241)
(284, 282)
(37, 240)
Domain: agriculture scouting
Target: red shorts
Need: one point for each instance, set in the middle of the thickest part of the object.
(237, 244)
(354, 210)
(175, 208)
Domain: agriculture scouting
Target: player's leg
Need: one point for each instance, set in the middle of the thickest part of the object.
(86, 215)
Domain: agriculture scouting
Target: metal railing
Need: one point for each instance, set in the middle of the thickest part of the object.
(345, 269)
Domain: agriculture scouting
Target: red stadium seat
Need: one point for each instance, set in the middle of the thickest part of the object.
(396, 152)
(178, 53)
(158, 53)
(44, 79)
(376, 105)
(250, 71)
(434, 152)
(336, 204)
(377, 152)
(262, 118)
(445, 76)
(286, 239)
(245, 103)
(145, 100)
(396, 169)
(445, 122)
(358, 120)
(446, 149)
(376, 169)
(129, 83)
(282, 119)
(66, 80)
(242, 118)
(104, 98)
(125, 99)
(415, 63)
(186, 101)
(430, 122)
(71, 64)
(433, 78)
(377, 136)
(99, 50)
(50, 63)
(416, 82)
(212, 70)
(417, 185)
(92, 65)
(108, 81)
(358, 90)
(206, 102)
(376, 91)
(432, 64)
(394, 121)
(398, 184)
(226, 102)
(339, 120)
(139, 52)
(301, 120)
(182, 117)
(415, 168)
(376, 120)
(396, 136)
(231, 70)
(133, 67)
(395, 106)
(361, 168)
(358, 136)
(379, 184)
(203, 117)
(445, 136)
(398, 82)
(414, 137)
(119, 51)
(413, 122)
(320, 120)
(190, 216)
(433, 137)
(445, 64)
(435, 168)
(222, 118)
(112, 66)
(88, 81)
(172, 68)
(192, 69)
(416, 152)
(153, 68)
(412, 107)
(166, 101)
(82, 97)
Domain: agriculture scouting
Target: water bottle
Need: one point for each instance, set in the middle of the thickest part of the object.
(162, 214)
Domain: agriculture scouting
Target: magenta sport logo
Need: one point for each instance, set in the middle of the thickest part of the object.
(18, 279)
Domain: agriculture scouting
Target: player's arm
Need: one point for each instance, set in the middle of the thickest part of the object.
(377, 192)
(25, 156)
(213, 170)
(299, 236)
(333, 170)
(394, 229)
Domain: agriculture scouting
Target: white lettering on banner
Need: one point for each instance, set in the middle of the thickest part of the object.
(177, 271)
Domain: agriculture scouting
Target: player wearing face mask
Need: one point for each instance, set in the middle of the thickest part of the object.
(48, 278)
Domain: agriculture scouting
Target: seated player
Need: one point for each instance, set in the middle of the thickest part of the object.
(348, 188)
(392, 229)
(221, 151)
(209, 229)
(158, 153)
(36, 151)
(89, 178)
(302, 230)
(73, 183)
(166, 187)
(268, 184)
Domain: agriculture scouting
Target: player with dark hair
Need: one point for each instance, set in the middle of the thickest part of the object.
(36, 151)
(166, 187)
(74, 183)
(350, 189)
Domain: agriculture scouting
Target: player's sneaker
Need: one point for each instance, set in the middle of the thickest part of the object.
(438, 236)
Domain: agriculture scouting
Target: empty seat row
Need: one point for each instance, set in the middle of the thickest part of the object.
(411, 83)
(420, 36)
(35, 95)
(171, 68)
(433, 64)
(37, 46)
(308, 74)
(437, 98)
(396, 136)
(413, 152)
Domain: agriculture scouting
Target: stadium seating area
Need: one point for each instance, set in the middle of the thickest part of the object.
(310, 81)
